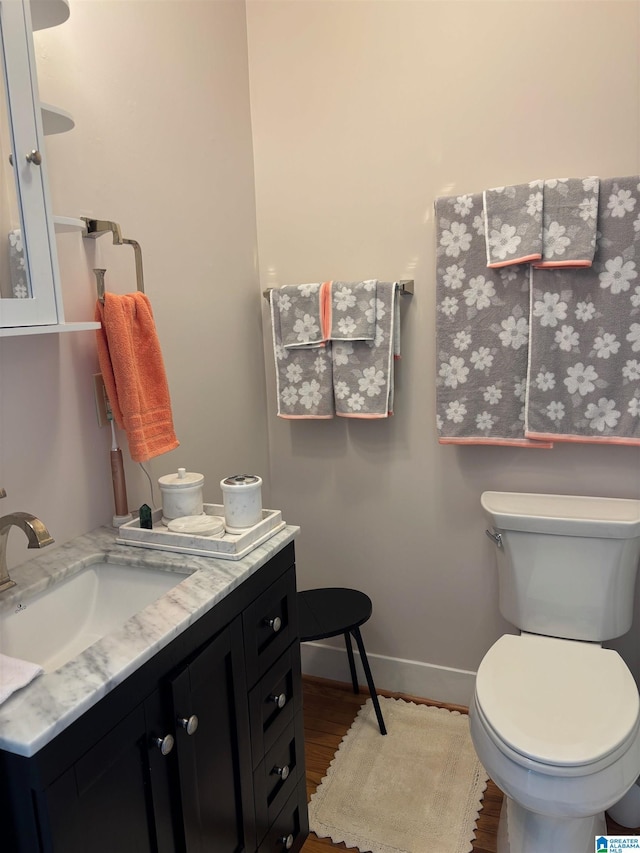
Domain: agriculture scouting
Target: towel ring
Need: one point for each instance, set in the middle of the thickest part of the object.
(96, 228)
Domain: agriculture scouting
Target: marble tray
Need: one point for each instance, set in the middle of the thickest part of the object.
(228, 546)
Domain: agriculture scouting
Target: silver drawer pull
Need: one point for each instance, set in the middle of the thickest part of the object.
(286, 841)
(189, 725)
(496, 537)
(280, 700)
(164, 744)
(282, 772)
(275, 624)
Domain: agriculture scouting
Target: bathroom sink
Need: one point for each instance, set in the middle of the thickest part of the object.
(53, 626)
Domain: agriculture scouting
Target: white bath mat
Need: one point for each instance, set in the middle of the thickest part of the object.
(416, 790)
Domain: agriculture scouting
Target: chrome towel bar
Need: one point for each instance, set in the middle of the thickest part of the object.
(404, 286)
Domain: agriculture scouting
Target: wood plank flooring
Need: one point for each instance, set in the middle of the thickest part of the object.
(329, 709)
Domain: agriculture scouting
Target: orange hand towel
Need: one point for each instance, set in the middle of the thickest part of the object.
(133, 371)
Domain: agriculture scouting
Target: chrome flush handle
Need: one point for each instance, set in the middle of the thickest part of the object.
(496, 537)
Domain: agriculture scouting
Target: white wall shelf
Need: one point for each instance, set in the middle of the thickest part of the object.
(48, 13)
(55, 120)
(16, 331)
(67, 224)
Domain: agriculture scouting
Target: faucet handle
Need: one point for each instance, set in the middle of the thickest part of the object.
(3, 494)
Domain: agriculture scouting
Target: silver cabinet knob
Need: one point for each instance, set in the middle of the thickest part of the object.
(286, 841)
(189, 725)
(282, 772)
(275, 624)
(280, 699)
(34, 157)
(164, 744)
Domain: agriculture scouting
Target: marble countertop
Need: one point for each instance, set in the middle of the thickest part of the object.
(34, 715)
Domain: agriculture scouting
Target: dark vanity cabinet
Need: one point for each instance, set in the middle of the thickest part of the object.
(199, 751)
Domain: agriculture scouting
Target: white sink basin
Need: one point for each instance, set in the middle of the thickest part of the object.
(57, 624)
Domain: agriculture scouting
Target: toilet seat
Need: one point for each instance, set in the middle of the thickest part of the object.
(570, 705)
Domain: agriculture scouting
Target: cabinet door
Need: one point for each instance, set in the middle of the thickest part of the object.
(213, 749)
(29, 286)
(103, 803)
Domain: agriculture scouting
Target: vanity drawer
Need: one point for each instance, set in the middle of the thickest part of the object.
(274, 701)
(279, 775)
(270, 625)
(291, 827)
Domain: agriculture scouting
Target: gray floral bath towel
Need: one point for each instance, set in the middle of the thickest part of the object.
(363, 369)
(584, 375)
(482, 330)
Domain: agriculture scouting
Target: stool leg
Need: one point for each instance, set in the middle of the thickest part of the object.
(372, 687)
(352, 663)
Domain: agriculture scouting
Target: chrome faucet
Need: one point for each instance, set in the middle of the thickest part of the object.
(37, 534)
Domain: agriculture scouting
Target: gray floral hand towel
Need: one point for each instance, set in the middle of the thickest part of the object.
(570, 213)
(584, 375)
(513, 224)
(482, 331)
(353, 310)
(363, 370)
(302, 314)
(304, 386)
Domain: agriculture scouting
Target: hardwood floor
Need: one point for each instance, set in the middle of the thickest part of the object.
(329, 709)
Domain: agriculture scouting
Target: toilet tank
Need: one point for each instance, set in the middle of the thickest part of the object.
(567, 565)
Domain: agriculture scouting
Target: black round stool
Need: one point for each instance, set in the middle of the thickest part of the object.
(328, 612)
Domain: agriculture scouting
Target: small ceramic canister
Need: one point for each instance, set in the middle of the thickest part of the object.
(181, 494)
(242, 499)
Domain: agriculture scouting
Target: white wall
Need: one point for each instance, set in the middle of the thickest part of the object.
(363, 113)
(162, 145)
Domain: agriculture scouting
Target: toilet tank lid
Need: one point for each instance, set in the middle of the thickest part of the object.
(569, 515)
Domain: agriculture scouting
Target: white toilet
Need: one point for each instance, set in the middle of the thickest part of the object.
(555, 718)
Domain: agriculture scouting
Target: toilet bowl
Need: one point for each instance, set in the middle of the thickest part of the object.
(555, 717)
(556, 724)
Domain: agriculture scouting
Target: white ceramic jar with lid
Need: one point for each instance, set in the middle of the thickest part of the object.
(181, 494)
(242, 499)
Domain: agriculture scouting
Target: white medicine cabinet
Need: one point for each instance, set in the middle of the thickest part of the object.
(30, 292)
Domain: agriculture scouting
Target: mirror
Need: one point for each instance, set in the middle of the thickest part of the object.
(14, 274)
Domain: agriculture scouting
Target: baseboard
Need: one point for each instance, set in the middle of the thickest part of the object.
(414, 678)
